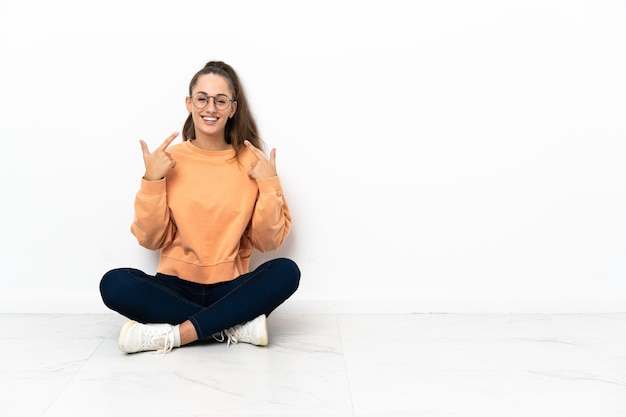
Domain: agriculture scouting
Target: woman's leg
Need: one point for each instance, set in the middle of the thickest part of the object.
(247, 297)
(160, 301)
(144, 298)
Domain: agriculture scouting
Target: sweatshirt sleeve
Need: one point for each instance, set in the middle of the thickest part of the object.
(271, 220)
(152, 225)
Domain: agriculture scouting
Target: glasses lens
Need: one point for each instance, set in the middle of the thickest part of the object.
(200, 101)
(221, 101)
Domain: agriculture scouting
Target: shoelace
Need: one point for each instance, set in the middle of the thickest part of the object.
(158, 338)
(234, 334)
(167, 344)
(230, 335)
(219, 337)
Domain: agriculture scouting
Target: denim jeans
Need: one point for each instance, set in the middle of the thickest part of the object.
(210, 307)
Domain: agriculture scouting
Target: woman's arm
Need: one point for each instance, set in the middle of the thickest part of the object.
(271, 219)
(152, 225)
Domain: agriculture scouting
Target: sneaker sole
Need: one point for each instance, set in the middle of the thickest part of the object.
(122, 338)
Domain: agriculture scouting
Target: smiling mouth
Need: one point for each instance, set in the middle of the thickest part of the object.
(209, 119)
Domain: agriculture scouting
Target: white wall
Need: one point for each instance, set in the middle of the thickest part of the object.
(438, 156)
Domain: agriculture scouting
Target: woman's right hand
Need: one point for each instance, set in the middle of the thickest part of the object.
(159, 162)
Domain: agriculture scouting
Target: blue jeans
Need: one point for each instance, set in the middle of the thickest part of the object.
(210, 307)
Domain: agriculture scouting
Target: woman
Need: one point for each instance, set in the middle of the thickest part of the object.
(206, 204)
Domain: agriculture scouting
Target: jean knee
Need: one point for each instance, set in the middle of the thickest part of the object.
(112, 286)
(108, 285)
(290, 272)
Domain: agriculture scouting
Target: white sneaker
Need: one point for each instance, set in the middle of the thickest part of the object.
(253, 332)
(137, 337)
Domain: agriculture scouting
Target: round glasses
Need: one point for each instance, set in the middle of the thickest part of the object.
(201, 100)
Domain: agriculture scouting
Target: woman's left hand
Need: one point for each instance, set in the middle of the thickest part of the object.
(262, 167)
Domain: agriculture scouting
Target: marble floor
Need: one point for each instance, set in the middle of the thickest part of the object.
(361, 365)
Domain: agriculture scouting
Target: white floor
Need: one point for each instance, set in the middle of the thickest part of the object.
(323, 365)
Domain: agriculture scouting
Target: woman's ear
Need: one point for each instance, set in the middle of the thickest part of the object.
(233, 109)
(188, 104)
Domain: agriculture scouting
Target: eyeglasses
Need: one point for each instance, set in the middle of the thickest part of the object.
(201, 100)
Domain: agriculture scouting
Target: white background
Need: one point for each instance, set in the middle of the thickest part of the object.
(437, 156)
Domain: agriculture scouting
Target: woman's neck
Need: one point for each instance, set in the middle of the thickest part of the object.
(211, 144)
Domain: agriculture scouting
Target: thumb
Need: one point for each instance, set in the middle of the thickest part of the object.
(273, 156)
(144, 148)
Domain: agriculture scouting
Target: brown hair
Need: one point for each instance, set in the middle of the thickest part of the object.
(242, 125)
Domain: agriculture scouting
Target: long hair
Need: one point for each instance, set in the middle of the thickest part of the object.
(242, 125)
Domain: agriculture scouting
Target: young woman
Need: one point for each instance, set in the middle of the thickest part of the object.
(206, 204)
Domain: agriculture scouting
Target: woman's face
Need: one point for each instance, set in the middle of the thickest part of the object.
(213, 92)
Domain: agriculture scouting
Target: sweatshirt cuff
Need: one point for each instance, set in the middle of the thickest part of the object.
(152, 187)
(269, 185)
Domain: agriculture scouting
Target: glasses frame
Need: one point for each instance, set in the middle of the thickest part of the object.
(230, 100)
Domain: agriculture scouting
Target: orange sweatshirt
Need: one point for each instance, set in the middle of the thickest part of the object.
(207, 215)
